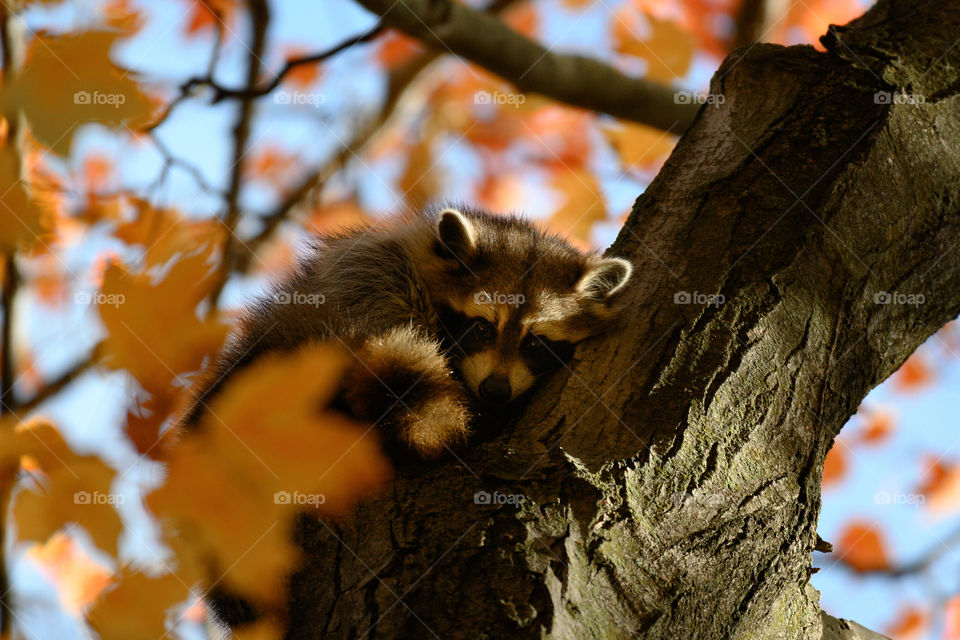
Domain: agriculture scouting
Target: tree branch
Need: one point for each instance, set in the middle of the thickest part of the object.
(221, 92)
(576, 80)
(259, 21)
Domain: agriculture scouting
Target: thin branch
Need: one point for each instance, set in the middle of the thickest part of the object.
(56, 385)
(921, 564)
(477, 36)
(259, 21)
(222, 92)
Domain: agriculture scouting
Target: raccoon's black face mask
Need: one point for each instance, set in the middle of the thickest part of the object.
(516, 301)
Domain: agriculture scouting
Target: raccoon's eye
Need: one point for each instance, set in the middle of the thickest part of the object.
(534, 344)
(483, 329)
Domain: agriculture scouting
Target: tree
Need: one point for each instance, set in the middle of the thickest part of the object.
(674, 491)
(794, 250)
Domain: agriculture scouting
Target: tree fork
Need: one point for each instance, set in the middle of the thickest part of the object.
(671, 479)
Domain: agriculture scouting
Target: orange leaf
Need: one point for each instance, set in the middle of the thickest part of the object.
(153, 328)
(834, 466)
(78, 577)
(582, 208)
(639, 145)
(69, 488)
(863, 547)
(951, 622)
(913, 374)
(302, 76)
(910, 624)
(877, 428)
(666, 48)
(25, 216)
(75, 73)
(136, 606)
(940, 485)
(396, 49)
(262, 452)
(523, 19)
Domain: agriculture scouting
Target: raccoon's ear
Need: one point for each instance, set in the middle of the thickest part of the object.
(457, 234)
(605, 279)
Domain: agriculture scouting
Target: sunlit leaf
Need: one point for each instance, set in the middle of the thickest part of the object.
(78, 577)
(135, 605)
(862, 546)
(264, 450)
(69, 80)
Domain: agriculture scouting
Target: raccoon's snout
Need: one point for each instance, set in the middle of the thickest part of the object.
(495, 389)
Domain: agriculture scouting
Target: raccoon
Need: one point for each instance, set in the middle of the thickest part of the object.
(443, 313)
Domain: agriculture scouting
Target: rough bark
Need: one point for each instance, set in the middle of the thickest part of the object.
(671, 478)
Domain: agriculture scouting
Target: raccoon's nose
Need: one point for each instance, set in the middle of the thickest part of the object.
(495, 389)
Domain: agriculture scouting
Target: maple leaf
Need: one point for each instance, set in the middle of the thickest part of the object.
(236, 480)
(153, 328)
(69, 80)
(639, 145)
(834, 466)
(663, 45)
(78, 577)
(67, 488)
(863, 547)
(135, 605)
(910, 624)
(582, 208)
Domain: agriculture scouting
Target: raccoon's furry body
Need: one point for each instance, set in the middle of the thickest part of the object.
(431, 306)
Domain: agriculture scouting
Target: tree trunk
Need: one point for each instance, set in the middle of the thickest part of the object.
(671, 478)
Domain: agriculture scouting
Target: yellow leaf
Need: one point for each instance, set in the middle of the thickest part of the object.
(667, 49)
(136, 607)
(69, 80)
(25, 216)
(78, 577)
(583, 206)
(154, 330)
(263, 451)
(639, 145)
(69, 488)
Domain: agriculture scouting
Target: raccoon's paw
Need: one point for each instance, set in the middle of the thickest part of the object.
(401, 380)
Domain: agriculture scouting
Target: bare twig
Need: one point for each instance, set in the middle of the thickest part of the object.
(221, 92)
(55, 386)
(259, 21)
(452, 27)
